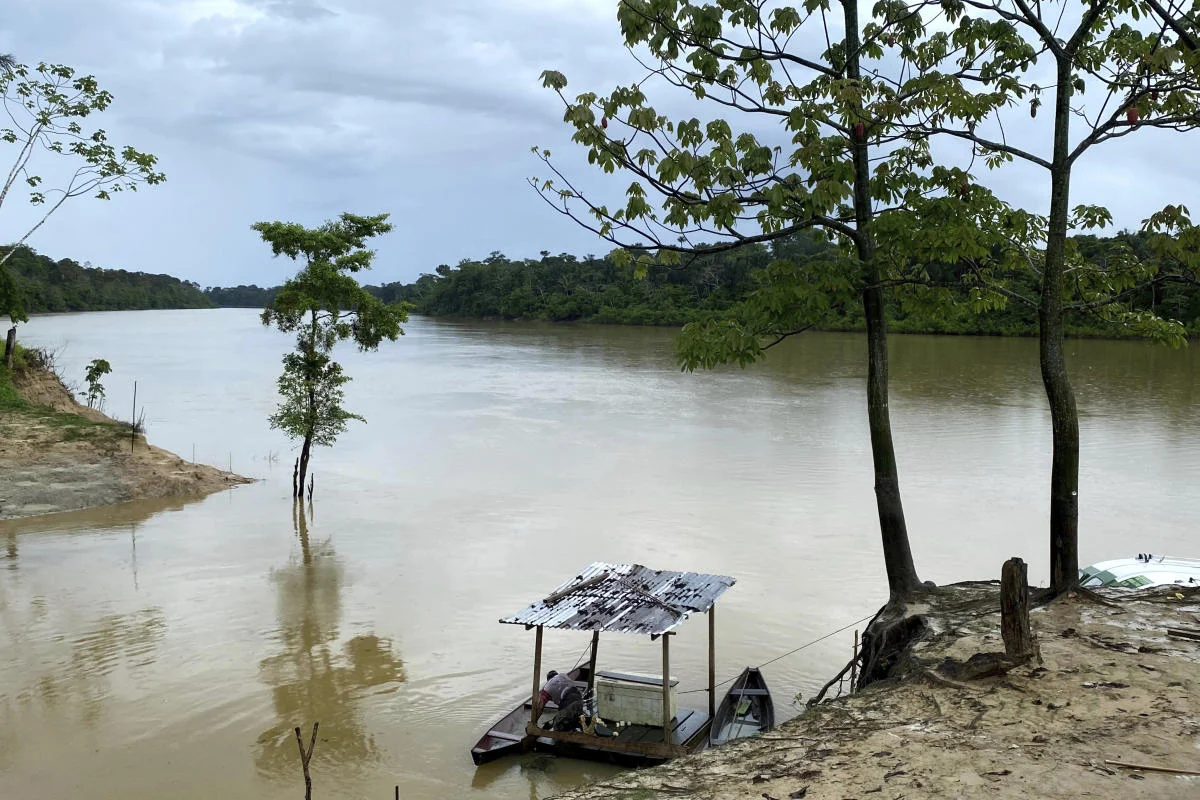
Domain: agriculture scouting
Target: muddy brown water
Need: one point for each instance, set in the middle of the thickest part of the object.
(168, 648)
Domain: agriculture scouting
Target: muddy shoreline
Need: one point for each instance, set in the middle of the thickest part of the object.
(57, 456)
(1111, 685)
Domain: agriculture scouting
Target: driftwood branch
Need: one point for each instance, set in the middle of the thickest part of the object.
(1183, 633)
(305, 757)
(1148, 768)
(835, 680)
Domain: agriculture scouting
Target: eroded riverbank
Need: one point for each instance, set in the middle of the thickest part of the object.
(1112, 686)
(57, 455)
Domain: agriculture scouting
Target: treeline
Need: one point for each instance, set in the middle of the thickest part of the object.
(592, 289)
(45, 285)
(241, 296)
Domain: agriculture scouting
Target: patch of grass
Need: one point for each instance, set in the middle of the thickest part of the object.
(9, 399)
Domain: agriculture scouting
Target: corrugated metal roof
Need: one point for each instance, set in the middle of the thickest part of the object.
(624, 598)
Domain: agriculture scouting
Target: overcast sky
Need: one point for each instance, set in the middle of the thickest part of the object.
(302, 109)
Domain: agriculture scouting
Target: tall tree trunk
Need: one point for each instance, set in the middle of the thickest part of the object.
(1064, 417)
(311, 365)
(897, 553)
(299, 488)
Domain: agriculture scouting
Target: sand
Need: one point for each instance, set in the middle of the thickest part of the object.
(1112, 685)
(58, 456)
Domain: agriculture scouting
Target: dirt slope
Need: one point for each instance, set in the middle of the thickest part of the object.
(56, 455)
(1112, 685)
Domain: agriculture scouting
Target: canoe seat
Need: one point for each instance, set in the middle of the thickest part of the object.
(749, 692)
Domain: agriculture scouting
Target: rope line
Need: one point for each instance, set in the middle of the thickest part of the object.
(587, 647)
(791, 652)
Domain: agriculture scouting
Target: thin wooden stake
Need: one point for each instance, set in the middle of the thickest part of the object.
(133, 419)
(854, 663)
(306, 757)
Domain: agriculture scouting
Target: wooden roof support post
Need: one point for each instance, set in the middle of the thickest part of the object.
(666, 678)
(712, 661)
(534, 711)
(592, 663)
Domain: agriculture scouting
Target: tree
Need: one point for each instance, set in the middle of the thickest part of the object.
(845, 162)
(46, 107)
(1138, 61)
(96, 370)
(323, 304)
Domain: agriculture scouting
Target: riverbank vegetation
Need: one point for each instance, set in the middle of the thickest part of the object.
(567, 288)
(44, 285)
(564, 287)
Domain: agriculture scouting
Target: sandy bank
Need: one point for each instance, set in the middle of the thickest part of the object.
(57, 455)
(1112, 685)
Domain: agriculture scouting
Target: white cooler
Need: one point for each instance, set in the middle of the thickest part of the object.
(636, 699)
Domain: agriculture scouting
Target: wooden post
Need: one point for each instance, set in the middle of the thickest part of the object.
(592, 663)
(1014, 608)
(10, 346)
(133, 419)
(712, 661)
(534, 711)
(854, 662)
(666, 676)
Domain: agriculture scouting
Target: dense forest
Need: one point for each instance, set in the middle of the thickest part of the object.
(241, 296)
(45, 285)
(593, 289)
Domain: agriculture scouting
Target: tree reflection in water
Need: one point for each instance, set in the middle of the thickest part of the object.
(312, 677)
(80, 682)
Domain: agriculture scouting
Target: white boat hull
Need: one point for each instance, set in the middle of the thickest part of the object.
(1146, 569)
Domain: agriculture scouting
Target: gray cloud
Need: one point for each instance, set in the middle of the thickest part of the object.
(279, 109)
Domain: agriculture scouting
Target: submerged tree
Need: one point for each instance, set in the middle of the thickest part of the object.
(323, 304)
(46, 107)
(844, 161)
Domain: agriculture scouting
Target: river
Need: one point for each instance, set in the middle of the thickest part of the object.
(167, 649)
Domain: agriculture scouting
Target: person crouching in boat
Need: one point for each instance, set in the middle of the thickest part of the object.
(567, 696)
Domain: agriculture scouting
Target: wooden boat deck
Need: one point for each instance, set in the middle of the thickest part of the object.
(687, 724)
(690, 731)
